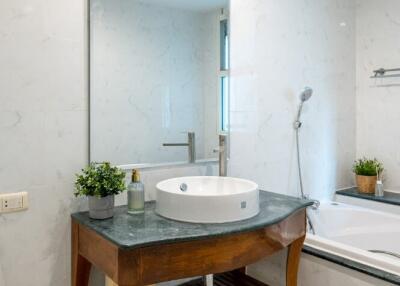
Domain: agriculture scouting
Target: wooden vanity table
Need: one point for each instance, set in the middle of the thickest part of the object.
(147, 249)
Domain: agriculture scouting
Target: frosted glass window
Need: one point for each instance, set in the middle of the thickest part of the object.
(223, 76)
(224, 103)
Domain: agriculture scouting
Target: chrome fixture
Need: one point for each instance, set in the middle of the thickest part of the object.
(304, 96)
(314, 206)
(183, 187)
(208, 280)
(382, 73)
(310, 225)
(316, 203)
(191, 144)
(223, 155)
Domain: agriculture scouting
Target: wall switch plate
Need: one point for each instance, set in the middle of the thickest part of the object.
(13, 202)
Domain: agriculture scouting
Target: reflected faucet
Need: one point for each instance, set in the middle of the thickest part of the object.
(223, 155)
(191, 144)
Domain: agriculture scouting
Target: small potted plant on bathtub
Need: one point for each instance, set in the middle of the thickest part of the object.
(100, 182)
(367, 171)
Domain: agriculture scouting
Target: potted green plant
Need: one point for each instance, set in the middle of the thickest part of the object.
(100, 182)
(367, 171)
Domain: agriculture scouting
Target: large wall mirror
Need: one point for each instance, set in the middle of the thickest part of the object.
(158, 74)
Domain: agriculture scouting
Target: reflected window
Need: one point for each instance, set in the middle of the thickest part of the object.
(224, 103)
(224, 45)
(224, 74)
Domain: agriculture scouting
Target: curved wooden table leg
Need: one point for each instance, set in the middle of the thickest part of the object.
(109, 282)
(293, 261)
(80, 266)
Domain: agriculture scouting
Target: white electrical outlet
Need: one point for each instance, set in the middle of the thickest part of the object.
(13, 202)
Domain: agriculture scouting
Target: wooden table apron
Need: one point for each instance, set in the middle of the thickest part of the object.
(165, 262)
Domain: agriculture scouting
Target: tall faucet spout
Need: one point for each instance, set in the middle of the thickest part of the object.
(223, 155)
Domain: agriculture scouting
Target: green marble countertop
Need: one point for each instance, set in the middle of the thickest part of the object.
(132, 231)
(388, 198)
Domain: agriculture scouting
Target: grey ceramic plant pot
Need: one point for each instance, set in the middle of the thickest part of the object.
(101, 208)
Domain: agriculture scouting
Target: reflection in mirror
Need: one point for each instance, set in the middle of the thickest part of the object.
(158, 71)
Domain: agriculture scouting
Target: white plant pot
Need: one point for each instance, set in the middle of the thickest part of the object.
(101, 208)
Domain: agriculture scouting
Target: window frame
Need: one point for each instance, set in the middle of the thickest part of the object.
(224, 73)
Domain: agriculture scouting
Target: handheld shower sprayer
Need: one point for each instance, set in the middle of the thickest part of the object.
(304, 96)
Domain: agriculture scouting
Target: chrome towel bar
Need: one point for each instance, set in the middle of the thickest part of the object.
(382, 73)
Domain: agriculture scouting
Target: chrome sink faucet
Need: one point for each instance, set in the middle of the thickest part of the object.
(191, 144)
(223, 155)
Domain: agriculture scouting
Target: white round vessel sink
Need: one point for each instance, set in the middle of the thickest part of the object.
(207, 199)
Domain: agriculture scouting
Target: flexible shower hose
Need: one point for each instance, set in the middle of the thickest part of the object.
(301, 178)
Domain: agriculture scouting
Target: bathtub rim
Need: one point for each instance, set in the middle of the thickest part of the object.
(352, 264)
(387, 264)
(385, 268)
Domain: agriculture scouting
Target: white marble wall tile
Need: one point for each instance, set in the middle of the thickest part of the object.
(43, 122)
(154, 77)
(378, 117)
(277, 49)
(43, 115)
(44, 137)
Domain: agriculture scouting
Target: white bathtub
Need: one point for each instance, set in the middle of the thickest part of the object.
(350, 231)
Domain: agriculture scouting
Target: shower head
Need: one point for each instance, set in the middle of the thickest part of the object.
(306, 94)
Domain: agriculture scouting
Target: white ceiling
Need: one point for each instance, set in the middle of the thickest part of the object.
(193, 5)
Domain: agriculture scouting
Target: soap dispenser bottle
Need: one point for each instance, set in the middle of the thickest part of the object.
(135, 194)
(379, 190)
